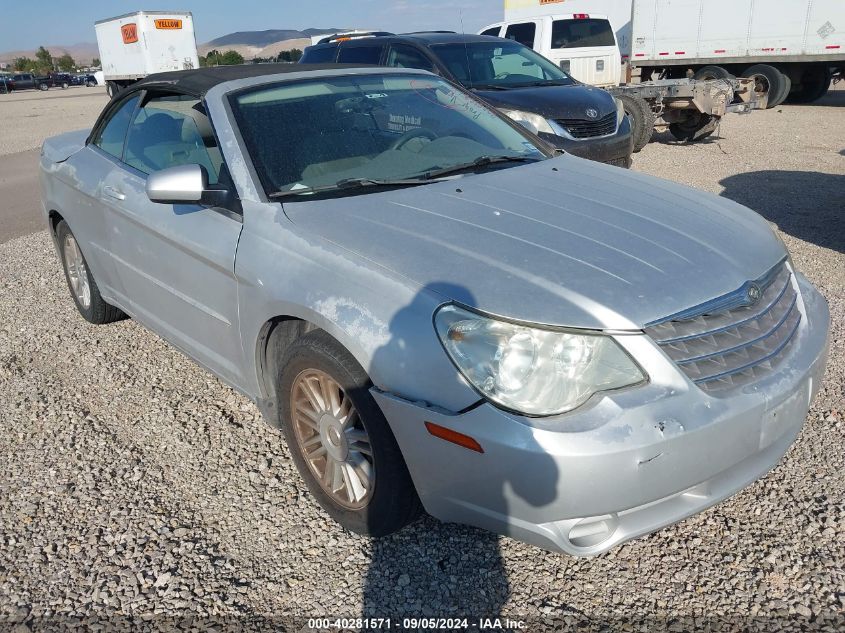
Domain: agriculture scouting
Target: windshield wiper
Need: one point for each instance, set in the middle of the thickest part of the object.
(481, 161)
(490, 87)
(350, 183)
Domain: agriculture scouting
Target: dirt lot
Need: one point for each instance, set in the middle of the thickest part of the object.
(134, 484)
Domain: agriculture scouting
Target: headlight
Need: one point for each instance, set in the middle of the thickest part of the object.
(620, 111)
(530, 370)
(534, 122)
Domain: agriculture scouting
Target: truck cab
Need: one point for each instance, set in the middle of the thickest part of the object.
(582, 44)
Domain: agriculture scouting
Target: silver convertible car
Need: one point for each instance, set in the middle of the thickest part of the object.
(439, 311)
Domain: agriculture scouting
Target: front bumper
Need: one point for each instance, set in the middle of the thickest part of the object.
(625, 464)
(615, 149)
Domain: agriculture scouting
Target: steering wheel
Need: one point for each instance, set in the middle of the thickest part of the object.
(419, 132)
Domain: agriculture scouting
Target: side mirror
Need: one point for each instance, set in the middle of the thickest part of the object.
(185, 184)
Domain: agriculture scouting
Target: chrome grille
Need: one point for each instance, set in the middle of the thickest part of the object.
(727, 343)
(583, 128)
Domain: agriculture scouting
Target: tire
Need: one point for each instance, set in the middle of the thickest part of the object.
(42, 87)
(391, 502)
(712, 72)
(769, 80)
(65, 86)
(112, 88)
(642, 119)
(97, 311)
(785, 90)
(695, 128)
(815, 82)
(90, 84)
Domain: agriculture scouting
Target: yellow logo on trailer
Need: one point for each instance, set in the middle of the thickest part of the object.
(168, 24)
(525, 4)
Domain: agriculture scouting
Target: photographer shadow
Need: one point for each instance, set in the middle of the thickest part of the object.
(433, 569)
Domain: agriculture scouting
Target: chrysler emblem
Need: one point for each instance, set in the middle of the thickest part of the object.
(753, 294)
(592, 113)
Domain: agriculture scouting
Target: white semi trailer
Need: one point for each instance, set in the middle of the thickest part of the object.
(138, 44)
(790, 48)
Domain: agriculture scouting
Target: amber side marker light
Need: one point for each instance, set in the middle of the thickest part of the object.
(453, 436)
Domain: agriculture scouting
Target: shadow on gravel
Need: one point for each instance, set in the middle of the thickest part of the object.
(433, 569)
(805, 204)
(835, 97)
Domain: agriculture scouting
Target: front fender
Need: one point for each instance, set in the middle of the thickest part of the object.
(383, 320)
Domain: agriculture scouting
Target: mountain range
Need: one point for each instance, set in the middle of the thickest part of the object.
(250, 44)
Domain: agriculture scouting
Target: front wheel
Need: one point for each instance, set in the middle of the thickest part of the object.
(80, 280)
(43, 87)
(340, 440)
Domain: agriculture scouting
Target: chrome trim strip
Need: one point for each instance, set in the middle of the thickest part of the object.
(754, 316)
(736, 348)
(736, 370)
(734, 299)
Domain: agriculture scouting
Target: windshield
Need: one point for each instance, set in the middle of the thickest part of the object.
(499, 64)
(392, 127)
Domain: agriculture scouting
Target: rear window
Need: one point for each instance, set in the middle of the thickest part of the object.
(522, 33)
(360, 55)
(582, 33)
(324, 55)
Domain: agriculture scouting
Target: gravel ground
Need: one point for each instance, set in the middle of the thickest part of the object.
(30, 116)
(134, 484)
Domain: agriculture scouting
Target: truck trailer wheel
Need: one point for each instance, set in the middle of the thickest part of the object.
(642, 119)
(815, 81)
(768, 81)
(712, 72)
(784, 93)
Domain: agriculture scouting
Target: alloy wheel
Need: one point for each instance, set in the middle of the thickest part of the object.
(77, 271)
(332, 438)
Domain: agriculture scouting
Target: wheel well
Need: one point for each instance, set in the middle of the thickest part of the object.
(274, 337)
(55, 217)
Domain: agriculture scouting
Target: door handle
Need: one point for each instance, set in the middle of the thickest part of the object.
(111, 192)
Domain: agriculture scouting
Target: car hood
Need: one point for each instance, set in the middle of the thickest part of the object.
(553, 102)
(563, 242)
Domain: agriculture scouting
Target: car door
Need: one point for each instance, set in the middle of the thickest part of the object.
(176, 262)
(87, 205)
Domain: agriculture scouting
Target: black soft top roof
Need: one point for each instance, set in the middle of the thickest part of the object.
(199, 81)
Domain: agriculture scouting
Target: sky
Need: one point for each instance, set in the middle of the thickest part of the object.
(31, 23)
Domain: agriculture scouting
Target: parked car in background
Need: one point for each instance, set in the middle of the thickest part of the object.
(27, 81)
(583, 120)
(435, 307)
(60, 80)
(87, 79)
